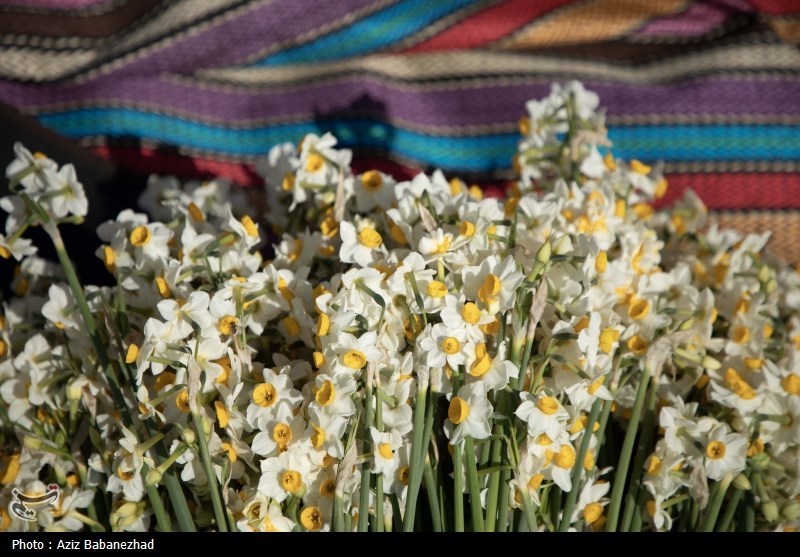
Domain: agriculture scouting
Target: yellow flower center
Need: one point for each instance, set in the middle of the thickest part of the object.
(637, 344)
(620, 208)
(601, 262)
(326, 394)
(221, 413)
(661, 188)
(314, 162)
(470, 313)
(467, 229)
(716, 450)
(282, 435)
(140, 236)
(458, 410)
(372, 180)
(639, 309)
(543, 440)
(230, 452)
(490, 289)
(125, 475)
(327, 488)
(291, 481)
(265, 395)
(385, 449)
(596, 384)
(565, 458)
(451, 345)
(402, 475)
(195, 212)
(311, 519)
(482, 361)
(640, 168)
(370, 238)
(9, 468)
(249, 226)
(437, 289)
(227, 324)
(109, 258)
(291, 325)
(547, 405)
(444, 245)
(535, 482)
(753, 363)
(323, 324)
(131, 354)
(318, 436)
(287, 184)
(592, 512)
(653, 465)
(182, 401)
(738, 385)
(609, 161)
(319, 359)
(162, 287)
(607, 339)
(354, 359)
(397, 233)
(791, 384)
(741, 334)
(163, 380)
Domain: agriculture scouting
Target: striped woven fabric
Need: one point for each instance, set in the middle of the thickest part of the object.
(203, 87)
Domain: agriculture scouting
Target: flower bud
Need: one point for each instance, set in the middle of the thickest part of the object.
(770, 510)
(791, 509)
(188, 435)
(742, 482)
(32, 443)
(74, 392)
(711, 363)
(543, 255)
(154, 477)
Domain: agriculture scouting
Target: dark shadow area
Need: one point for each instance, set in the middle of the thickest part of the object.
(109, 189)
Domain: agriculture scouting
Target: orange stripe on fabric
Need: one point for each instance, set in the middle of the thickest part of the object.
(488, 25)
(787, 29)
(599, 20)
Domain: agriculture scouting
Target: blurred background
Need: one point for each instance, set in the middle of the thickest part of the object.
(201, 88)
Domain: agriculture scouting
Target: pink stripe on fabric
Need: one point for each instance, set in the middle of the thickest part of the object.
(698, 19)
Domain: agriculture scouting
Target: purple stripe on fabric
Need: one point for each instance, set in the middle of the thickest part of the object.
(698, 19)
(366, 95)
(230, 41)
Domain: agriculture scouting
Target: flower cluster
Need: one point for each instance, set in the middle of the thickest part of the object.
(566, 357)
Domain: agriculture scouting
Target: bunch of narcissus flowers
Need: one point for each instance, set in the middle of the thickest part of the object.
(413, 357)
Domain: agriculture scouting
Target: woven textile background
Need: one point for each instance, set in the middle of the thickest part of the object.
(202, 87)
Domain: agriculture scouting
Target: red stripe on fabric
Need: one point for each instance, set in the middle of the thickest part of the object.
(152, 161)
(488, 25)
(738, 190)
(777, 7)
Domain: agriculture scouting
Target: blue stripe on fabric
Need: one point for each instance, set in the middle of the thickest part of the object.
(374, 32)
(471, 153)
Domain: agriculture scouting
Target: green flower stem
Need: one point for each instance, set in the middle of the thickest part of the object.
(213, 487)
(502, 500)
(555, 506)
(529, 513)
(162, 518)
(715, 502)
(416, 464)
(433, 499)
(474, 486)
(577, 469)
(730, 511)
(494, 479)
(625, 454)
(377, 525)
(642, 450)
(458, 490)
(366, 448)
